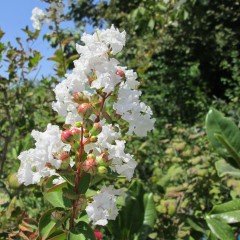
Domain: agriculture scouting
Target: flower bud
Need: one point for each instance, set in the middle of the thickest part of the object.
(102, 160)
(13, 181)
(85, 109)
(64, 156)
(89, 165)
(66, 136)
(91, 156)
(80, 98)
(93, 139)
(76, 132)
(98, 235)
(102, 170)
(78, 124)
(97, 128)
(120, 73)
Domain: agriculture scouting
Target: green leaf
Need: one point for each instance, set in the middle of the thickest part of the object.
(68, 175)
(150, 214)
(82, 231)
(228, 212)
(59, 235)
(223, 169)
(84, 183)
(46, 224)
(222, 131)
(55, 196)
(70, 193)
(151, 23)
(196, 226)
(229, 148)
(34, 60)
(220, 229)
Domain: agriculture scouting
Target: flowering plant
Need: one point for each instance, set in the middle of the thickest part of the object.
(97, 100)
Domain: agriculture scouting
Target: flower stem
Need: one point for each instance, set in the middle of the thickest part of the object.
(77, 179)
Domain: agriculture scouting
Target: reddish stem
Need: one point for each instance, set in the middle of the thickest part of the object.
(101, 106)
(77, 178)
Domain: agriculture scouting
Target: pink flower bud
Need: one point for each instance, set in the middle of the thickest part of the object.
(84, 109)
(89, 165)
(98, 235)
(120, 73)
(80, 98)
(64, 156)
(75, 131)
(66, 136)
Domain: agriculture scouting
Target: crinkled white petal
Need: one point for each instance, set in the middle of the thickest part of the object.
(104, 207)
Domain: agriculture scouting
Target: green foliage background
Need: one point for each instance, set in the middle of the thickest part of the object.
(187, 56)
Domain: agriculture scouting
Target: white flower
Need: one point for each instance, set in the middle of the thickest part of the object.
(37, 18)
(103, 207)
(26, 173)
(49, 143)
(132, 110)
(107, 78)
(114, 38)
(64, 104)
(122, 163)
(34, 161)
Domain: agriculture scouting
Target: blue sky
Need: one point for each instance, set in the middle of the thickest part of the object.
(15, 15)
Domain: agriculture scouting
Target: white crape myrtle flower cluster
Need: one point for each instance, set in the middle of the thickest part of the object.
(35, 162)
(95, 59)
(39, 16)
(96, 75)
(103, 207)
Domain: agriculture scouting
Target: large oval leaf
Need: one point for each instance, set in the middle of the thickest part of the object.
(220, 229)
(228, 212)
(223, 134)
(55, 196)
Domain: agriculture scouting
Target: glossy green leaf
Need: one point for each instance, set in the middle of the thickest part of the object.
(196, 226)
(150, 214)
(222, 131)
(223, 168)
(220, 229)
(55, 196)
(60, 235)
(68, 175)
(228, 212)
(84, 183)
(235, 155)
(46, 224)
(82, 231)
